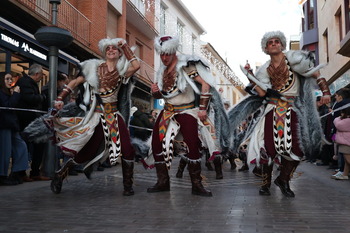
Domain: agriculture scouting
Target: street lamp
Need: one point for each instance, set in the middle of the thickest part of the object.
(53, 37)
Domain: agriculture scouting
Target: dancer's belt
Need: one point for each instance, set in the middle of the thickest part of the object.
(280, 102)
(108, 107)
(178, 108)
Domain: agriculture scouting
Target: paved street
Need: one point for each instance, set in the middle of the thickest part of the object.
(321, 205)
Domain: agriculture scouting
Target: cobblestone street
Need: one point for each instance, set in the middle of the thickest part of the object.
(321, 204)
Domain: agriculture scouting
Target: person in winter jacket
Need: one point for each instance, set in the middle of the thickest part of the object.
(342, 138)
(11, 143)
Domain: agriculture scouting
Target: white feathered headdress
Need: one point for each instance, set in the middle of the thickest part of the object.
(102, 44)
(274, 34)
(166, 44)
(123, 63)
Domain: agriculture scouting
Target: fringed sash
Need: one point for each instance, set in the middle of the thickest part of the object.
(168, 113)
(109, 120)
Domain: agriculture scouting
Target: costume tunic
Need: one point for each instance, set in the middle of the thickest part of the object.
(287, 127)
(178, 123)
(276, 132)
(102, 131)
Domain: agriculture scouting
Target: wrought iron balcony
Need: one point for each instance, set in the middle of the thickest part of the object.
(68, 18)
(141, 14)
(146, 73)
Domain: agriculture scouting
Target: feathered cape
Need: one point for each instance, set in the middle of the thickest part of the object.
(309, 128)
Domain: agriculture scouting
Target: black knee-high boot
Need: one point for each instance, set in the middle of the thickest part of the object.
(128, 176)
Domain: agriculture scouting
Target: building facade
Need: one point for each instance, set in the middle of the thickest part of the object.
(326, 31)
(176, 19)
(227, 83)
(88, 22)
(138, 21)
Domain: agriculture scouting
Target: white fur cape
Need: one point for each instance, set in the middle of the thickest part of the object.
(201, 66)
(301, 62)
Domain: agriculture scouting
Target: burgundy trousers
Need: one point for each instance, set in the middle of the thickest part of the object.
(189, 131)
(268, 135)
(287, 167)
(90, 150)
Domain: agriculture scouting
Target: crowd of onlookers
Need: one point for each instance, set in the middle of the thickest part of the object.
(335, 153)
(21, 160)
(25, 94)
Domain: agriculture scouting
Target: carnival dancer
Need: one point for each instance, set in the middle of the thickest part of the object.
(179, 80)
(288, 127)
(102, 131)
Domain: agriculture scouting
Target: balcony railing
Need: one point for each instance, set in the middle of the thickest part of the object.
(68, 18)
(146, 9)
(146, 73)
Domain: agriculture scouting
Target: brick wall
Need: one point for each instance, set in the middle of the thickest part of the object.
(96, 12)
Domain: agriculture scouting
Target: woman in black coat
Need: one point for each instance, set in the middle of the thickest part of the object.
(11, 143)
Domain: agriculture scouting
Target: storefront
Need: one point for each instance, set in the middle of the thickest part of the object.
(19, 49)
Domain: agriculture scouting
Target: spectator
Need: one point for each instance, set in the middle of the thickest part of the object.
(141, 119)
(342, 97)
(11, 143)
(62, 80)
(32, 99)
(342, 124)
(153, 116)
(326, 153)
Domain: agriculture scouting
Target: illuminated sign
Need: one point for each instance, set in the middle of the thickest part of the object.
(22, 46)
(9, 40)
(26, 48)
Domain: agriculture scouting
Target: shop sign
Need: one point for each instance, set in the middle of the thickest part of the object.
(159, 103)
(21, 46)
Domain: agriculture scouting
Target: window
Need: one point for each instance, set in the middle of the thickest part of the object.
(338, 21)
(112, 23)
(127, 38)
(138, 50)
(43, 8)
(180, 34)
(2, 60)
(193, 44)
(140, 5)
(347, 16)
(162, 20)
(310, 15)
(325, 40)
